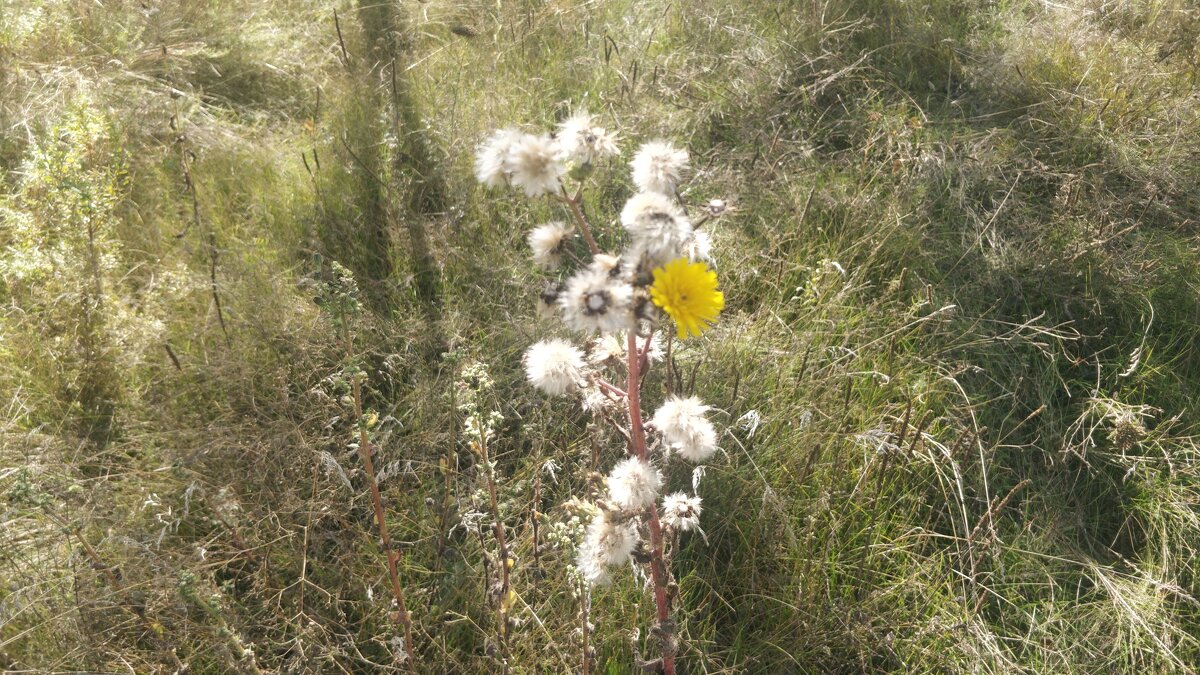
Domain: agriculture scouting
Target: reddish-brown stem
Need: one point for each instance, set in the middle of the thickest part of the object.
(393, 556)
(577, 213)
(646, 354)
(501, 540)
(658, 570)
(610, 388)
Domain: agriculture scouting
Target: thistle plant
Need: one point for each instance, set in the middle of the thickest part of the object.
(619, 308)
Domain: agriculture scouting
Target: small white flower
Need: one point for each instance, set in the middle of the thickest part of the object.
(658, 166)
(580, 140)
(593, 301)
(554, 366)
(608, 543)
(659, 229)
(492, 156)
(681, 512)
(548, 242)
(532, 164)
(684, 427)
(633, 484)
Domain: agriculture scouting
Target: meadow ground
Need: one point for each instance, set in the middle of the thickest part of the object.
(956, 379)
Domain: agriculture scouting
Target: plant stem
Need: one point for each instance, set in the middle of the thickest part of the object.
(610, 388)
(393, 557)
(670, 365)
(577, 212)
(658, 570)
(501, 540)
(153, 628)
(584, 611)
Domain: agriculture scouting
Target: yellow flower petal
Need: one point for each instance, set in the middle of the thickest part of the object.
(688, 293)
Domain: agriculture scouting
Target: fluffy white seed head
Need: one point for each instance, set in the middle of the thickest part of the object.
(658, 166)
(700, 247)
(608, 349)
(633, 484)
(554, 366)
(580, 140)
(608, 543)
(608, 265)
(548, 243)
(611, 348)
(595, 400)
(491, 157)
(685, 429)
(547, 302)
(660, 231)
(533, 165)
(681, 512)
(593, 301)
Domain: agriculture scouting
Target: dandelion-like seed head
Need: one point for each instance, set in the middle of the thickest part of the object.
(659, 229)
(716, 207)
(580, 140)
(491, 158)
(658, 166)
(685, 428)
(609, 542)
(554, 366)
(548, 243)
(700, 247)
(688, 293)
(633, 484)
(533, 165)
(595, 302)
(681, 512)
(547, 303)
(611, 348)
(608, 265)
(608, 349)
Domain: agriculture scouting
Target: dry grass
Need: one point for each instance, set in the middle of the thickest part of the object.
(963, 303)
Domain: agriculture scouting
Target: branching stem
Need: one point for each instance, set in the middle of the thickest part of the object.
(658, 569)
(393, 556)
(575, 204)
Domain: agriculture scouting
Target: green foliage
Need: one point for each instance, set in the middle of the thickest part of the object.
(957, 372)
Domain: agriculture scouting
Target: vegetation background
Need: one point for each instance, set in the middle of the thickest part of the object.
(957, 375)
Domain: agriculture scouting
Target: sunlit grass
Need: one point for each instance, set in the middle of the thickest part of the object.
(963, 242)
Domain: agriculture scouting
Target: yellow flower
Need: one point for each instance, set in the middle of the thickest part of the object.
(688, 293)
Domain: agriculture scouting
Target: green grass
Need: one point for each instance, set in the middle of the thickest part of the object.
(963, 296)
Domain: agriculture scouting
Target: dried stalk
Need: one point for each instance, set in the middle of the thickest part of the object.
(501, 540)
(401, 616)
